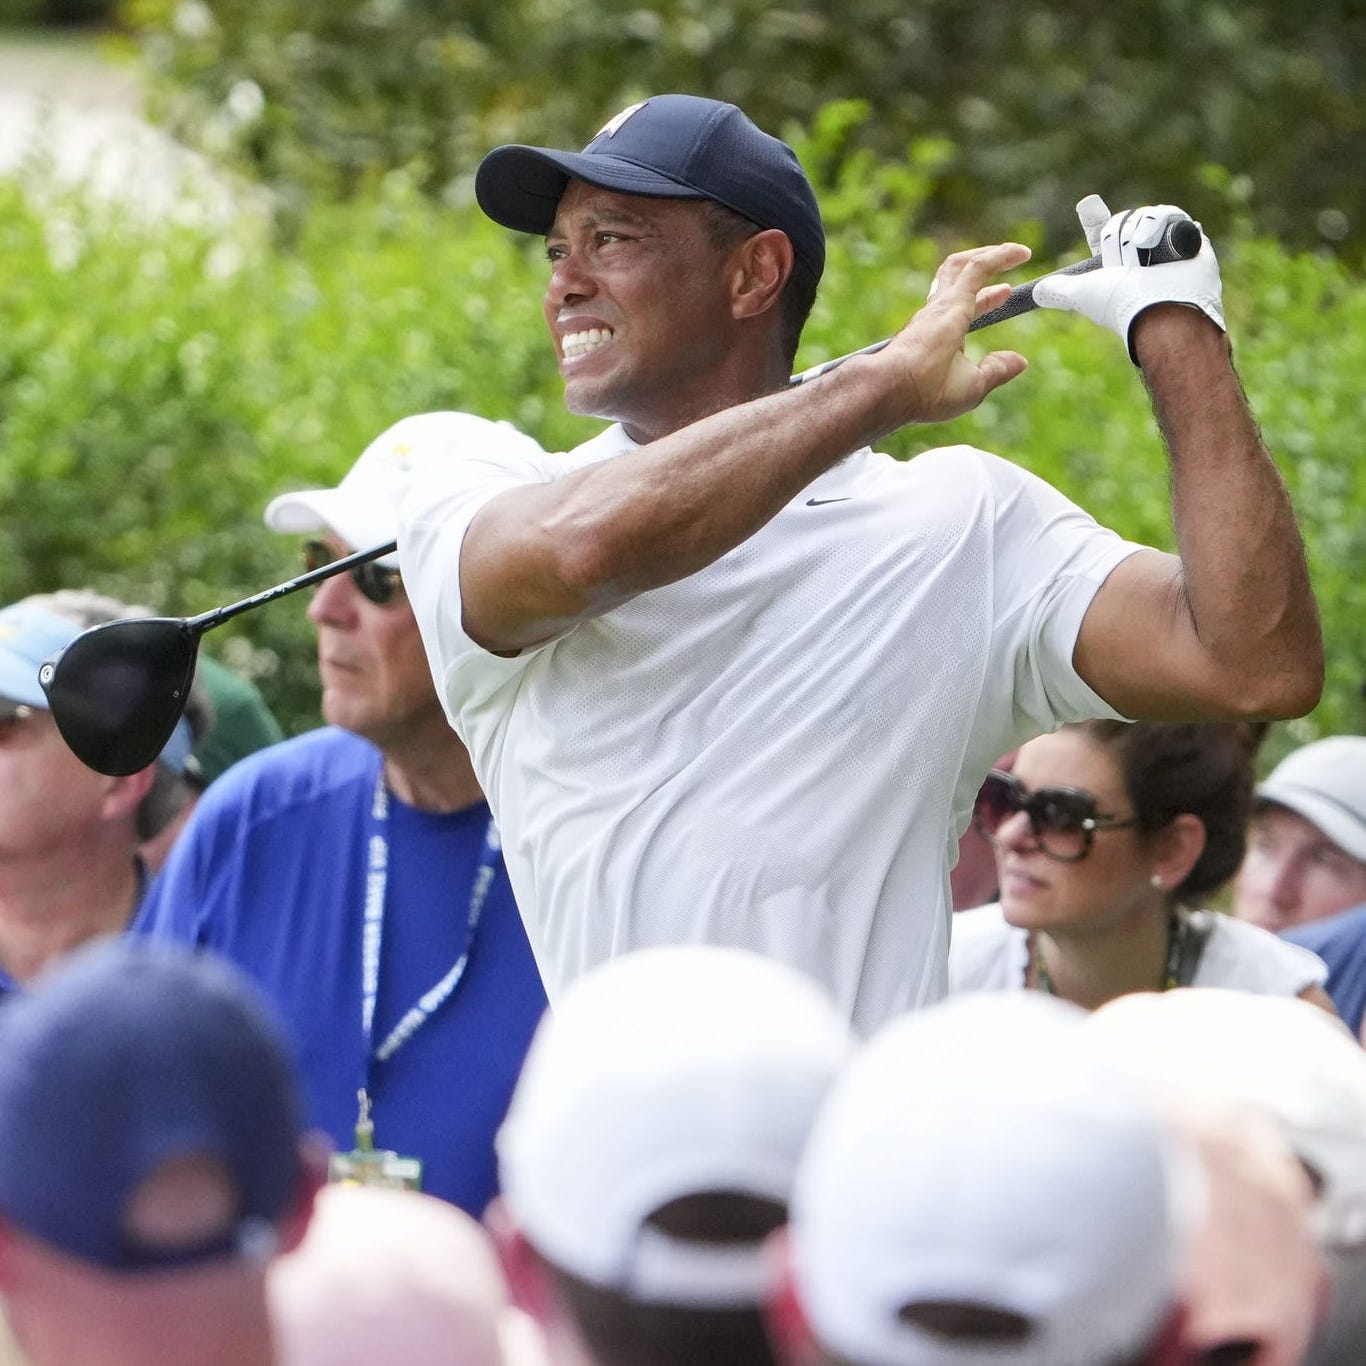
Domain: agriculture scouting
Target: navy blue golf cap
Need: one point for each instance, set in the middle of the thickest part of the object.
(668, 147)
(129, 1055)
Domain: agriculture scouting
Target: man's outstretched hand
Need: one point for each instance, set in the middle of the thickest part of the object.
(938, 380)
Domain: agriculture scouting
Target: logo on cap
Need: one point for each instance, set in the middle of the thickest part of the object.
(613, 125)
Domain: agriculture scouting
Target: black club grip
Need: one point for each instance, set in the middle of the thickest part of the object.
(1180, 241)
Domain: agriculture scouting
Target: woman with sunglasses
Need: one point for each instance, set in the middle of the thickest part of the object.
(1109, 835)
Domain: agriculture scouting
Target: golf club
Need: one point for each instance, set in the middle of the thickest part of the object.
(1180, 241)
(119, 689)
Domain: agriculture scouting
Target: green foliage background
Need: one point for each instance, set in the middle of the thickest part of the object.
(159, 383)
(1034, 104)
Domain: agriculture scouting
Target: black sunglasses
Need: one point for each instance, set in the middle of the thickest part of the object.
(378, 583)
(1063, 820)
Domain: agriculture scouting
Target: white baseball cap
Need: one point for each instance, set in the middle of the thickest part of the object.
(1325, 782)
(667, 1072)
(1277, 1055)
(389, 1275)
(363, 509)
(985, 1154)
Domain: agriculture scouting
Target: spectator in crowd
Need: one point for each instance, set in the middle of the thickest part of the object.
(357, 875)
(973, 881)
(1282, 1061)
(1256, 1281)
(985, 1185)
(1340, 940)
(1109, 837)
(152, 1161)
(1306, 856)
(69, 837)
(691, 638)
(650, 1149)
(394, 1276)
(240, 724)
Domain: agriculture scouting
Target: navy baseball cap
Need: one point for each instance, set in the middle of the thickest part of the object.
(668, 147)
(128, 1055)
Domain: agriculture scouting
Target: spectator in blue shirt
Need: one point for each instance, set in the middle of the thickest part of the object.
(356, 873)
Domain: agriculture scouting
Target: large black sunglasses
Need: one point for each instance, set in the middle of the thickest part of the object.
(1063, 820)
(377, 582)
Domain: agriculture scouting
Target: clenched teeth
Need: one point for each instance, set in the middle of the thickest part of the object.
(577, 343)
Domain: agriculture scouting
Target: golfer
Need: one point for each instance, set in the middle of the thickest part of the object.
(726, 674)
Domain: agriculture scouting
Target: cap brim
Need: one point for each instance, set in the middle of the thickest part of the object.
(520, 187)
(1345, 829)
(19, 681)
(29, 636)
(360, 527)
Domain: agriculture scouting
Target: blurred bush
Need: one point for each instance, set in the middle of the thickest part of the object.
(1034, 105)
(159, 384)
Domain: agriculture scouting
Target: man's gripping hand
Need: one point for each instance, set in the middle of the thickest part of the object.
(1122, 288)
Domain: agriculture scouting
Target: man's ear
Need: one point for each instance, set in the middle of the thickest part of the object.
(125, 795)
(523, 1269)
(763, 263)
(785, 1320)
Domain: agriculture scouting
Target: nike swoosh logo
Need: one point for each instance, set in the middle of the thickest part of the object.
(821, 502)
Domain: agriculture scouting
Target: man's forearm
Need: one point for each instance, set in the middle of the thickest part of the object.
(1244, 576)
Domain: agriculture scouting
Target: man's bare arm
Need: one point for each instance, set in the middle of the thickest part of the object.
(538, 559)
(1228, 628)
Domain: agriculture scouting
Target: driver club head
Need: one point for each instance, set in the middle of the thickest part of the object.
(119, 689)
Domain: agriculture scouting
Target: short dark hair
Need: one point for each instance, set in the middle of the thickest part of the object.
(1200, 768)
(624, 1332)
(725, 228)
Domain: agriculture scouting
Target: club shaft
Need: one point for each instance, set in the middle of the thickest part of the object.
(206, 621)
(1180, 242)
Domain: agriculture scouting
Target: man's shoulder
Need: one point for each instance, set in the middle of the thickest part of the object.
(1239, 947)
(273, 807)
(981, 945)
(307, 769)
(1341, 932)
(965, 473)
(980, 925)
(609, 442)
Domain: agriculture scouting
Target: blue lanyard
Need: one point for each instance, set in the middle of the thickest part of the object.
(372, 935)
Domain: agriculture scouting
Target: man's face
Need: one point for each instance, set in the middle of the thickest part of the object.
(370, 658)
(637, 303)
(1293, 873)
(49, 800)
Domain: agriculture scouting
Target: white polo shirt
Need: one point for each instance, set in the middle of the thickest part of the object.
(780, 751)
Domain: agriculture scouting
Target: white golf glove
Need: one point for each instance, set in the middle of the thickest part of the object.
(1116, 293)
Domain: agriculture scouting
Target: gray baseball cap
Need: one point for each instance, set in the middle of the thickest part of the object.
(1325, 782)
